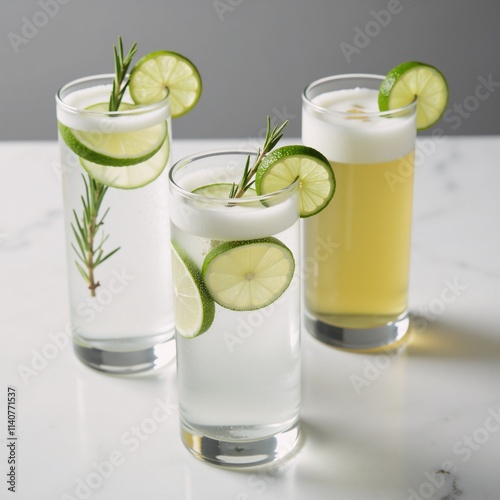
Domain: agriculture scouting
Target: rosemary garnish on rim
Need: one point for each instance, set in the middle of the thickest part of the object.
(271, 140)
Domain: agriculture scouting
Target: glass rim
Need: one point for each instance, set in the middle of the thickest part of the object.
(138, 109)
(218, 201)
(368, 76)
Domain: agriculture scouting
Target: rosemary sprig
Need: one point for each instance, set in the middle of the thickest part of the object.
(272, 138)
(121, 67)
(90, 253)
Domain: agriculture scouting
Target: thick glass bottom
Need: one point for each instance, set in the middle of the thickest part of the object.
(125, 356)
(358, 339)
(238, 453)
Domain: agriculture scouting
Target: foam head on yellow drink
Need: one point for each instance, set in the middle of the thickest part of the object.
(356, 251)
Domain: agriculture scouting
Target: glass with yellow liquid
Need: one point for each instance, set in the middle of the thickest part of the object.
(357, 250)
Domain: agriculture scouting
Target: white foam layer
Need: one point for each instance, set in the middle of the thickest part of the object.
(248, 219)
(234, 223)
(345, 137)
(72, 115)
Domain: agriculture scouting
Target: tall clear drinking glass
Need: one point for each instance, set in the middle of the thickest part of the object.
(115, 184)
(238, 346)
(357, 250)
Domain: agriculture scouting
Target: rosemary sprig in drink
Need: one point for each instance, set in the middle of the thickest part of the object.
(90, 253)
(271, 140)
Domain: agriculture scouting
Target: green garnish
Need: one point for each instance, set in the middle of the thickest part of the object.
(121, 68)
(271, 140)
(90, 253)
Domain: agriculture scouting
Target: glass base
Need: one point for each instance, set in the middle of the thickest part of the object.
(358, 339)
(241, 453)
(125, 362)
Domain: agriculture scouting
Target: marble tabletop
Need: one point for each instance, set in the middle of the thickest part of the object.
(423, 423)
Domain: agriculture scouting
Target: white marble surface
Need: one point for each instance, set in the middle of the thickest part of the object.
(424, 424)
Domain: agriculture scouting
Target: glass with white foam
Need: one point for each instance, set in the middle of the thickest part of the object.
(238, 381)
(122, 308)
(357, 250)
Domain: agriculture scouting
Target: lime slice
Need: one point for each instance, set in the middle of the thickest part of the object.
(415, 80)
(117, 149)
(282, 166)
(163, 72)
(131, 177)
(194, 310)
(248, 275)
(221, 191)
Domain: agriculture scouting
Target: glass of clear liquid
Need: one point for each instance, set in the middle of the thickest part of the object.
(237, 312)
(114, 170)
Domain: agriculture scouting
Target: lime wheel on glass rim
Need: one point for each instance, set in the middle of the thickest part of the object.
(415, 80)
(133, 159)
(283, 166)
(115, 149)
(163, 72)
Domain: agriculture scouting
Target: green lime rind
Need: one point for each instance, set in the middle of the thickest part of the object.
(282, 166)
(221, 190)
(83, 144)
(163, 73)
(415, 80)
(237, 278)
(192, 301)
(132, 177)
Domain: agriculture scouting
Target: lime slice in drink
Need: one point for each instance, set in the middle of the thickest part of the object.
(117, 149)
(282, 166)
(248, 275)
(131, 177)
(415, 80)
(221, 191)
(160, 72)
(194, 310)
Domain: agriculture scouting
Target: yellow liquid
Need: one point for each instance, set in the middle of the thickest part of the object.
(357, 250)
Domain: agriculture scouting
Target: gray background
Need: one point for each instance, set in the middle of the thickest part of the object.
(255, 56)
